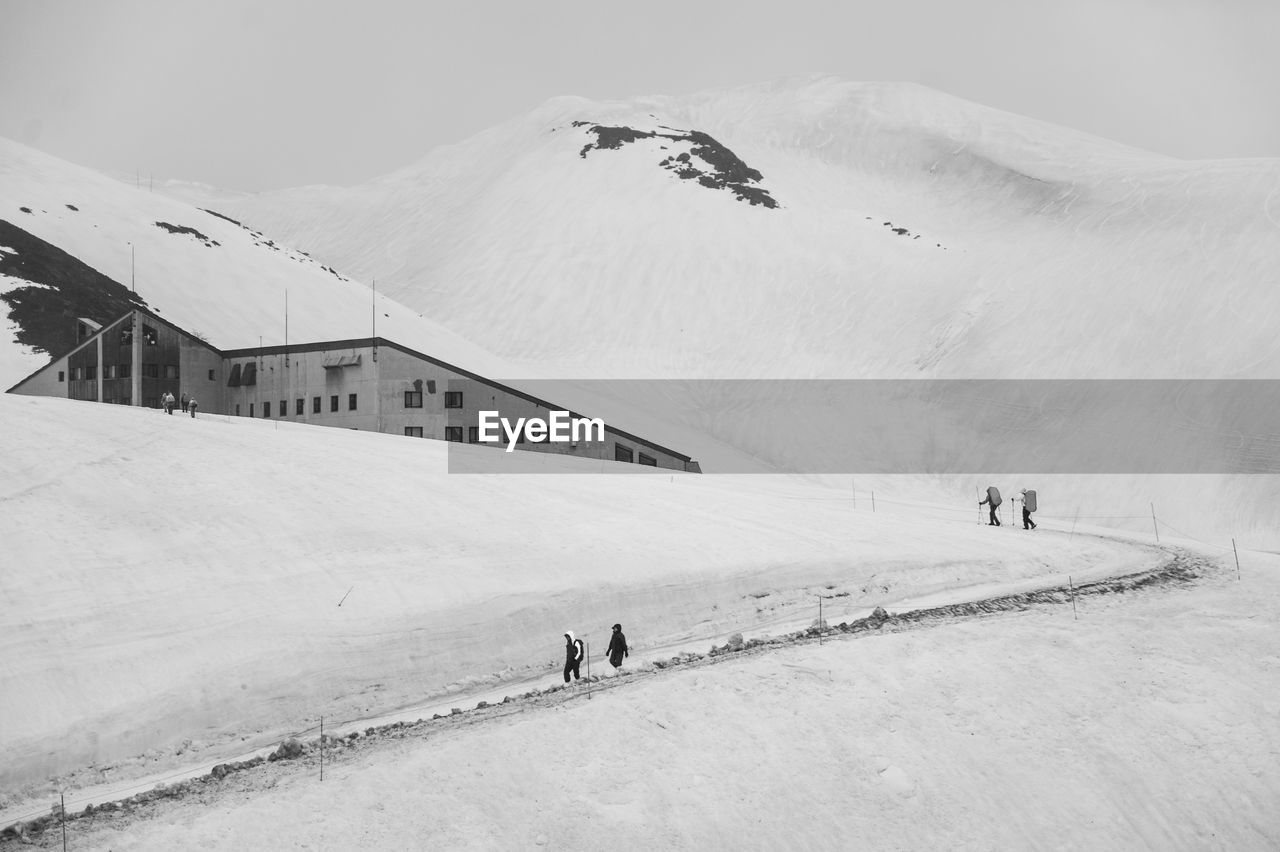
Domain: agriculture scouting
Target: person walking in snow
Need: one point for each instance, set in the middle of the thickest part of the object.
(617, 647)
(191, 406)
(167, 402)
(185, 400)
(1028, 506)
(574, 651)
(993, 499)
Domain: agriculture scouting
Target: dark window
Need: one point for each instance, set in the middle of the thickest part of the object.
(251, 409)
(284, 407)
(237, 409)
(233, 381)
(315, 405)
(413, 431)
(171, 371)
(148, 335)
(453, 433)
(211, 375)
(266, 409)
(621, 453)
(126, 335)
(301, 407)
(110, 372)
(351, 402)
(91, 372)
(151, 371)
(333, 402)
(250, 374)
(61, 376)
(473, 434)
(413, 399)
(124, 370)
(453, 399)
(649, 460)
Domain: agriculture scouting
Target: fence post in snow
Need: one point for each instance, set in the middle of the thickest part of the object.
(1154, 524)
(62, 797)
(1237, 553)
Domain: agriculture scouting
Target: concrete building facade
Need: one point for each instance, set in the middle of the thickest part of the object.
(371, 384)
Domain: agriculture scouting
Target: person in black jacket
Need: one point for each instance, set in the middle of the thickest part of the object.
(993, 499)
(617, 647)
(573, 654)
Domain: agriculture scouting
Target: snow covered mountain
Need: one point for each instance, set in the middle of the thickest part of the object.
(914, 234)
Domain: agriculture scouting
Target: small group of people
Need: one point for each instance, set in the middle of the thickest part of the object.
(188, 403)
(575, 651)
(994, 500)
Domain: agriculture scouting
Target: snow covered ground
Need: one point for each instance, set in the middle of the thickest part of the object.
(172, 589)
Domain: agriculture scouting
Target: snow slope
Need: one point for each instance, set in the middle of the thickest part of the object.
(174, 581)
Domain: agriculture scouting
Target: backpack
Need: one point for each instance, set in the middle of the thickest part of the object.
(580, 649)
(1029, 500)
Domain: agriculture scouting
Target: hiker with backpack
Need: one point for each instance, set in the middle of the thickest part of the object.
(1028, 506)
(574, 651)
(993, 499)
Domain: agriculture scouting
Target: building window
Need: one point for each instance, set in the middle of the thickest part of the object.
(61, 376)
(250, 374)
(233, 380)
(266, 409)
(251, 409)
(315, 405)
(123, 370)
(453, 433)
(413, 431)
(453, 399)
(148, 335)
(211, 375)
(473, 434)
(150, 371)
(284, 407)
(171, 371)
(237, 409)
(109, 372)
(622, 454)
(333, 402)
(648, 460)
(351, 402)
(413, 399)
(301, 407)
(91, 372)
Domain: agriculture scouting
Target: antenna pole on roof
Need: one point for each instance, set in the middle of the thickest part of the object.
(286, 328)
(373, 314)
(133, 269)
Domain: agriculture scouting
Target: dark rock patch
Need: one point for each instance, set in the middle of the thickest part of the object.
(46, 315)
(707, 161)
(183, 229)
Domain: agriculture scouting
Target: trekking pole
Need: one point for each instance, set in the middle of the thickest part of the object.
(586, 650)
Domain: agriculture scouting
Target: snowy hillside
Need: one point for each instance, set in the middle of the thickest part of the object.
(170, 579)
(915, 234)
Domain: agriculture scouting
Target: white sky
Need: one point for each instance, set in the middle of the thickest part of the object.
(252, 95)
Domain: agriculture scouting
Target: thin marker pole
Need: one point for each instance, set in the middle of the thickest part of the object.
(1237, 553)
(321, 748)
(63, 798)
(819, 619)
(1070, 586)
(1154, 525)
(1073, 524)
(586, 652)
(344, 597)
(873, 502)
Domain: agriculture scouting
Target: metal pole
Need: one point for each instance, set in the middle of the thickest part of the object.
(1154, 525)
(819, 619)
(1237, 553)
(63, 798)
(586, 652)
(873, 502)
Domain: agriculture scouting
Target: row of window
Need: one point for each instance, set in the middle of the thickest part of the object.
(413, 399)
(299, 405)
(121, 371)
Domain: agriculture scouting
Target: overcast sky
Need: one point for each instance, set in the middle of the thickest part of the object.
(263, 94)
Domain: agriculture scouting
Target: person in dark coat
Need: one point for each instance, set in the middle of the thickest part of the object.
(617, 647)
(191, 406)
(993, 499)
(574, 651)
(185, 399)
